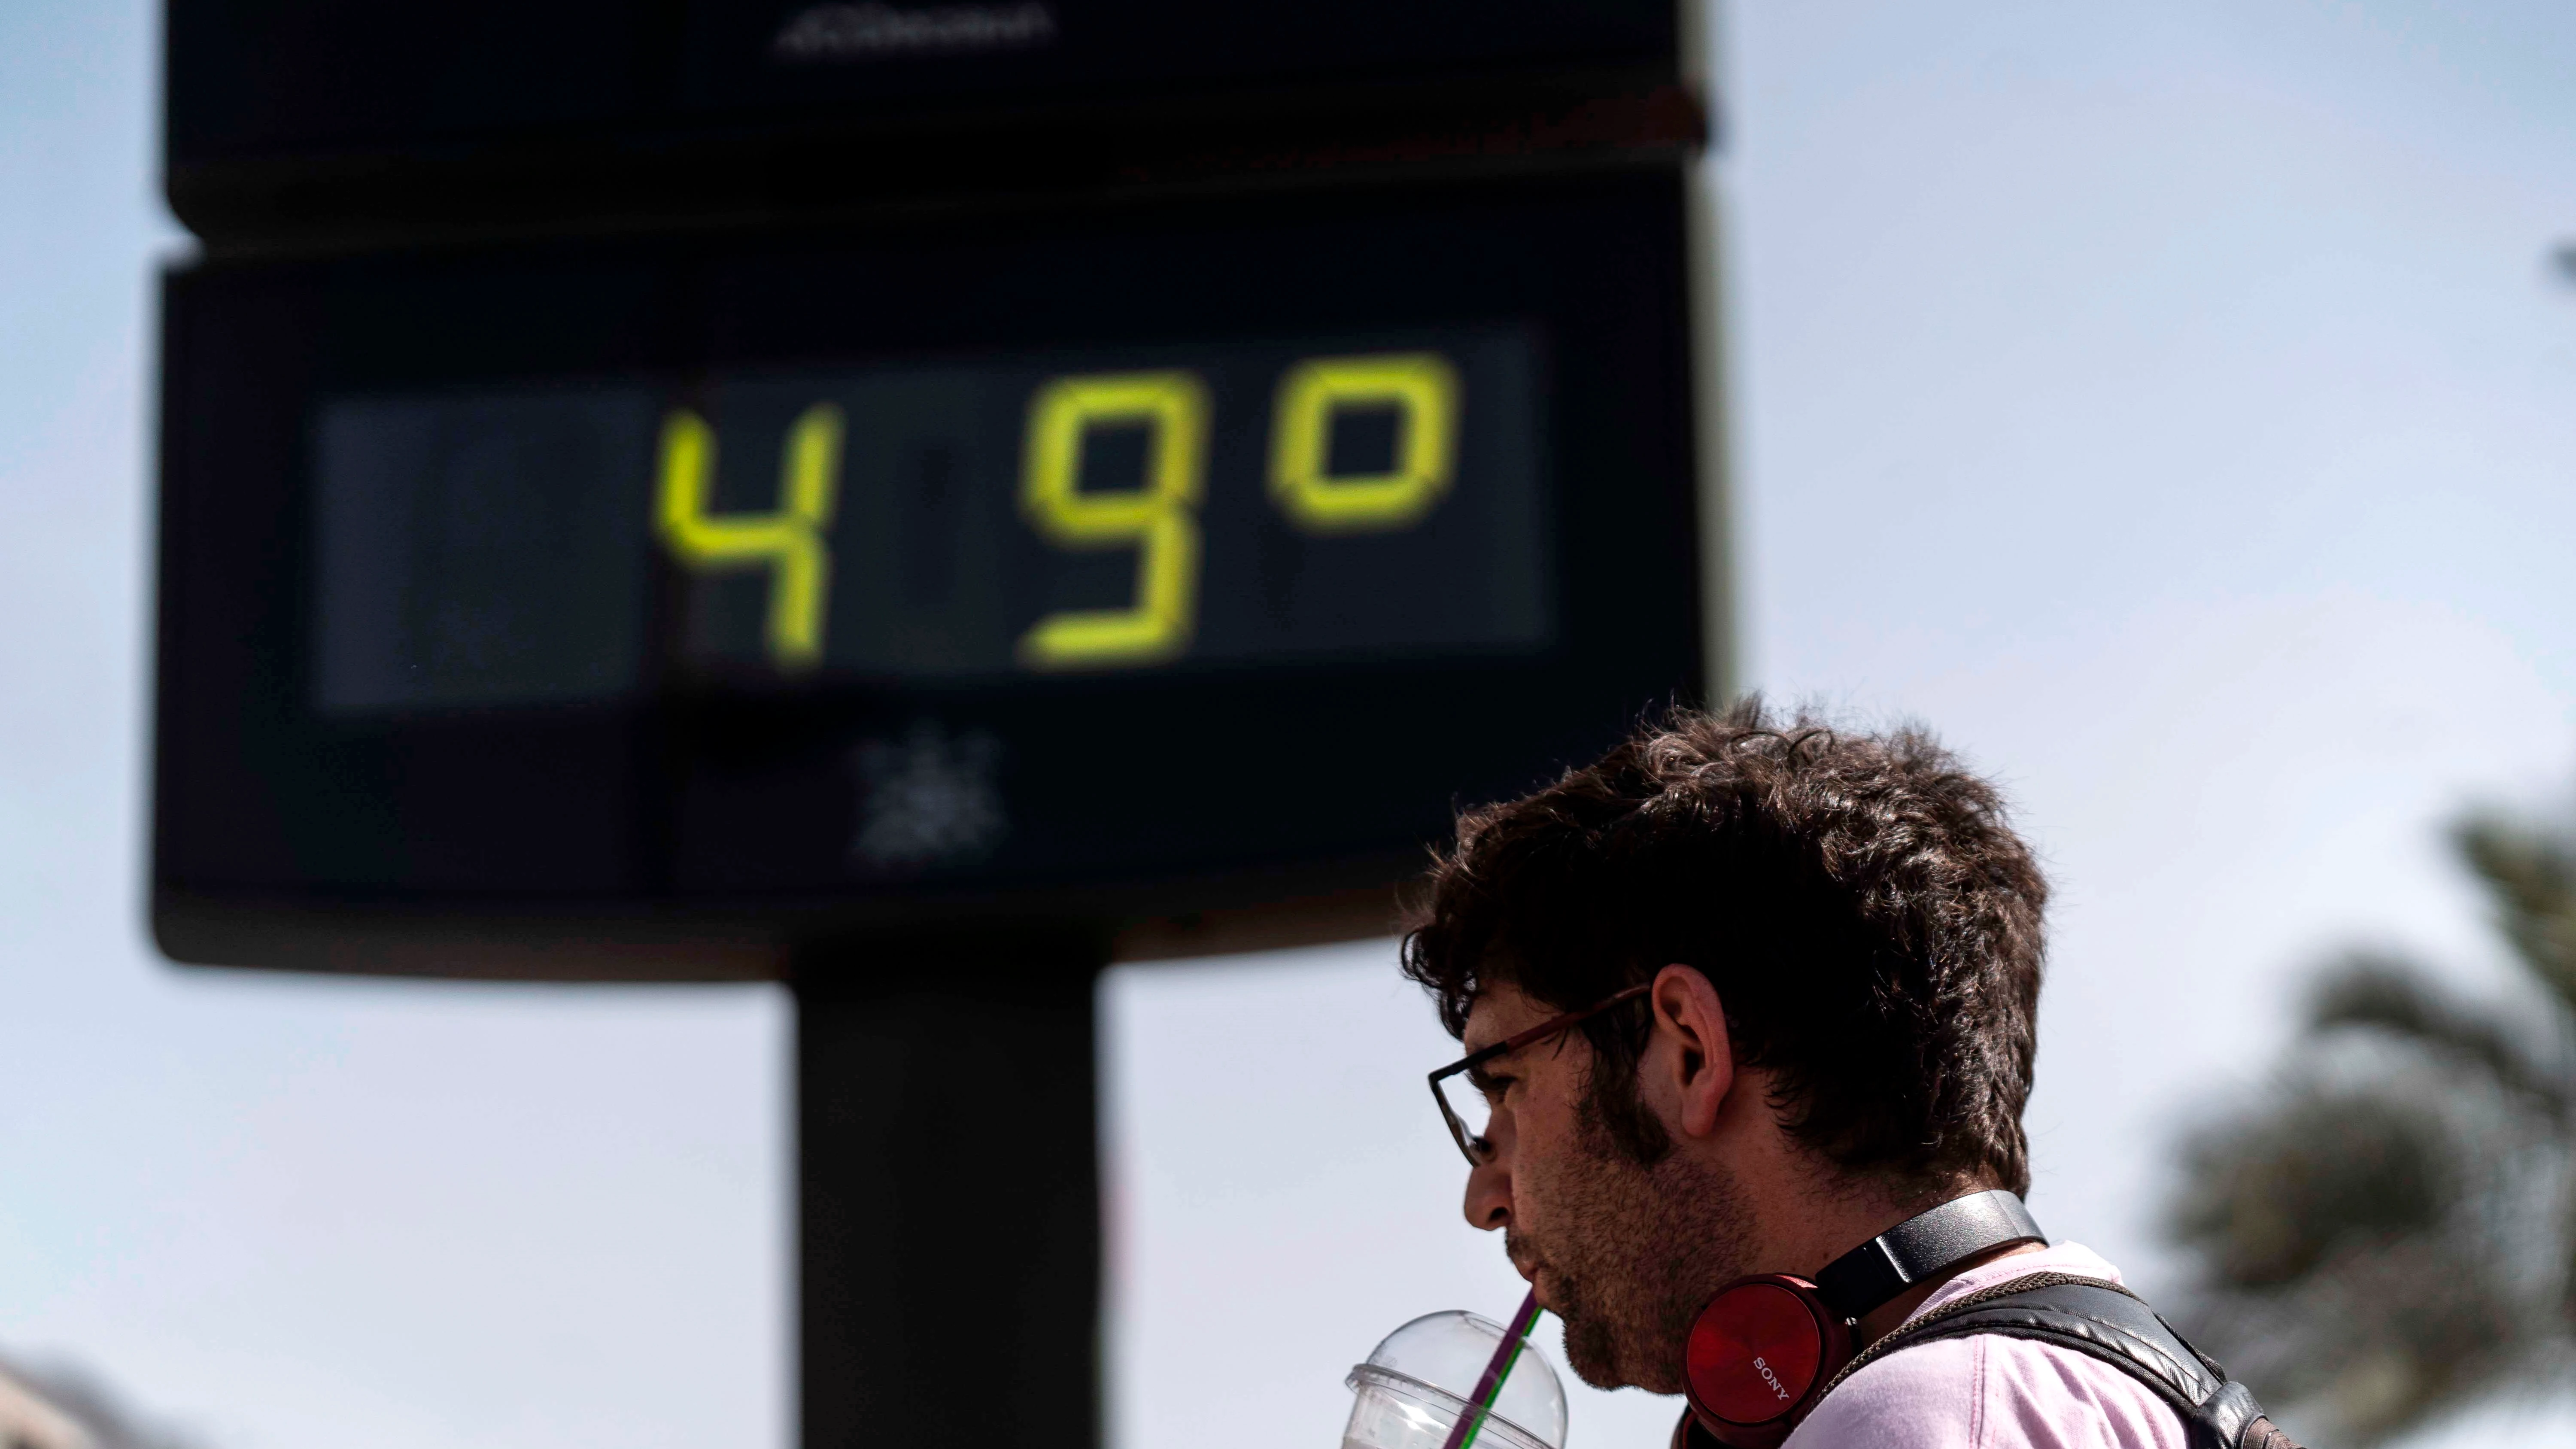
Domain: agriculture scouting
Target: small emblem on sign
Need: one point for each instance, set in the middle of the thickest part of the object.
(876, 32)
(928, 799)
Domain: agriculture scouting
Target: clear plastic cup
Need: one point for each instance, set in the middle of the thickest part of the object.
(1414, 1389)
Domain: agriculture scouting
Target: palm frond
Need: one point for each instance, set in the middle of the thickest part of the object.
(2271, 1195)
(2385, 1337)
(2373, 991)
(2392, 1230)
(2346, 1260)
(2530, 875)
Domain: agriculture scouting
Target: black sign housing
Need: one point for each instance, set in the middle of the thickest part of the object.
(296, 120)
(415, 679)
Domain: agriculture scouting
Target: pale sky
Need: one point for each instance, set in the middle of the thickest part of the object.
(2169, 405)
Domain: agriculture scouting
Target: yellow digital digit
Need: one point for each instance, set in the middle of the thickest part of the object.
(1160, 520)
(789, 543)
(1421, 388)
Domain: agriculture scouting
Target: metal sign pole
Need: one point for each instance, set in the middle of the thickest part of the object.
(948, 1198)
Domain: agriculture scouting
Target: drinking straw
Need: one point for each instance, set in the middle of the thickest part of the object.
(1480, 1405)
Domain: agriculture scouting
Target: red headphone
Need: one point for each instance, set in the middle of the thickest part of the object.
(1763, 1350)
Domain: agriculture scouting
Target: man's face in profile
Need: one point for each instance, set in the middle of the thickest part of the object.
(1625, 1253)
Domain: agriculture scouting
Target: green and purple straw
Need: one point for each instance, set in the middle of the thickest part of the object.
(1480, 1405)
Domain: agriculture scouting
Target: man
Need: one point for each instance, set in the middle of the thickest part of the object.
(1776, 988)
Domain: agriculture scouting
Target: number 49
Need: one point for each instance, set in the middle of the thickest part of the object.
(1160, 519)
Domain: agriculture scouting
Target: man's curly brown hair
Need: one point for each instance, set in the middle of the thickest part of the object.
(1869, 919)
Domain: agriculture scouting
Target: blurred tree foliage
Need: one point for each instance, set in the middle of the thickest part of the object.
(112, 1423)
(2393, 1230)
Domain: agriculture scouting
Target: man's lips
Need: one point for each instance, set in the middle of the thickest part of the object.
(1543, 1283)
(1530, 1265)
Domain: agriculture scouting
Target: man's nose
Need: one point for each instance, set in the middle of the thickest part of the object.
(1489, 1194)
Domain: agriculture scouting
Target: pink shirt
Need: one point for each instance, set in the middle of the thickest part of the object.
(1992, 1392)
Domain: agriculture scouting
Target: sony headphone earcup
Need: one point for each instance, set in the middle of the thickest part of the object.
(1758, 1354)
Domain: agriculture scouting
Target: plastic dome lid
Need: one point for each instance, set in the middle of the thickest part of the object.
(1446, 1354)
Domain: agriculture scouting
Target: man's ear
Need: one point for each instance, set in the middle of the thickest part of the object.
(1701, 1057)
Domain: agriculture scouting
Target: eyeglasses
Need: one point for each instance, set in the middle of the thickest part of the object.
(1460, 1089)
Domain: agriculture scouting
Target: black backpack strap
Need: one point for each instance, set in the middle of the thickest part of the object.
(2104, 1321)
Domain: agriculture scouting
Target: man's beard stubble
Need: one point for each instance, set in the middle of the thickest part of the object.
(1632, 1252)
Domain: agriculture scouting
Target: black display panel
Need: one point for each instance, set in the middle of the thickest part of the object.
(1064, 511)
(848, 581)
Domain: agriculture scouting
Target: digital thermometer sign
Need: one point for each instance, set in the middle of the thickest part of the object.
(1075, 511)
(845, 580)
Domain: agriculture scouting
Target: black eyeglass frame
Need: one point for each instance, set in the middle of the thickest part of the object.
(1478, 1151)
